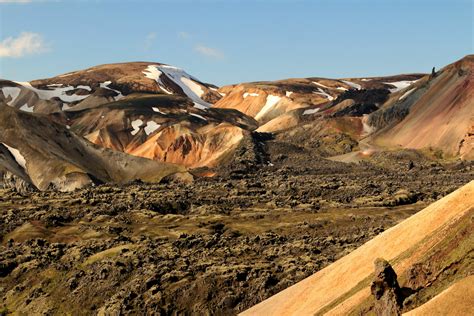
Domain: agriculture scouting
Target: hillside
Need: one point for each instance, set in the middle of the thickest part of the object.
(436, 112)
(431, 251)
(47, 155)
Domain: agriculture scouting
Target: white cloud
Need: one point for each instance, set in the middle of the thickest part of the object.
(149, 40)
(209, 51)
(26, 43)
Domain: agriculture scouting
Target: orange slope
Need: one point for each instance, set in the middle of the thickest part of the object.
(343, 285)
(443, 116)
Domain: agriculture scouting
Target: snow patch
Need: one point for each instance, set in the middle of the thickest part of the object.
(105, 85)
(288, 93)
(352, 84)
(246, 94)
(136, 124)
(20, 159)
(198, 116)
(84, 87)
(190, 86)
(406, 94)
(321, 85)
(26, 108)
(151, 126)
(200, 106)
(272, 100)
(222, 94)
(400, 85)
(158, 110)
(54, 93)
(12, 92)
(193, 86)
(153, 73)
(341, 88)
(310, 111)
(323, 93)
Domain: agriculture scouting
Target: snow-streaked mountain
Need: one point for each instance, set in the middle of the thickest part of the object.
(101, 84)
(160, 112)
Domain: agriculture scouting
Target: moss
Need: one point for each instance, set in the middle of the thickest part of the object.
(4, 311)
(109, 253)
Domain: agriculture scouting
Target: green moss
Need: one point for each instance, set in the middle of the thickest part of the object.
(3, 311)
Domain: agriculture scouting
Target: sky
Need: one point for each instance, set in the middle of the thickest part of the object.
(225, 42)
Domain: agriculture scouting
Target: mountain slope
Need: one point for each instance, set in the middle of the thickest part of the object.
(102, 84)
(148, 110)
(421, 248)
(268, 100)
(47, 154)
(437, 112)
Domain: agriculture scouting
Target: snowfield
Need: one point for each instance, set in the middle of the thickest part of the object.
(400, 85)
(323, 93)
(12, 92)
(406, 94)
(272, 100)
(310, 111)
(155, 109)
(20, 159)
(246, 94)
(26, 108)
(321, 85)
(58, 92)
(151, 126)
(200, 106)
(352, 84)
(136, 124)
(105, 85)
(186, 82)
(199, 116)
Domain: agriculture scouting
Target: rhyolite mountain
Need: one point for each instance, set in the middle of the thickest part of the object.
(98, 124)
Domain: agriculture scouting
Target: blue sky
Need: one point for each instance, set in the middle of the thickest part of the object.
(225, 42)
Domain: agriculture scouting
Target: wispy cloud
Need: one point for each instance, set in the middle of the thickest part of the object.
(149, 40)
(183, 35)
(26, 43)
(209, 51)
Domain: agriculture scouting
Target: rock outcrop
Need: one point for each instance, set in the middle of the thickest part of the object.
(385, 289)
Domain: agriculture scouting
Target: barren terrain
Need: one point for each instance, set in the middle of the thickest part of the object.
(218, 245)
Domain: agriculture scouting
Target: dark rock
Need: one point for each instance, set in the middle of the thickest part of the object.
(385, 289)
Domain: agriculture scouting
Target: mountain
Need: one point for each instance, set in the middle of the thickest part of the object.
(186, 198)
(47, 155)
(103, 84)
(431, 253)
(148, 110)
(268, 100)
(161, 113)
(365, 115)
(435, 112)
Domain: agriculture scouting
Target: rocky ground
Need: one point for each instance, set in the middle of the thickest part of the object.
(215, 246)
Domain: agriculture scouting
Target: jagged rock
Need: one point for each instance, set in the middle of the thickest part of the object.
(385, 289)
